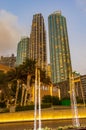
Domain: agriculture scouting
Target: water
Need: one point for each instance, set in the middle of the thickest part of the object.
(37, 94)
(74, 103)
(30, 125)
(35, 109)
(39, 100)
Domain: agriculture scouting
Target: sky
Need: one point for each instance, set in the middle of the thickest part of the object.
(16, 20)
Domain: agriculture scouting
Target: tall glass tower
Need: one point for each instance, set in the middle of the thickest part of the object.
(59, 48)
(38, 41)
(22, 50)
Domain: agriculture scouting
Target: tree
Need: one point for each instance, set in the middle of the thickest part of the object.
(29, 74)
(25, 74)
(2, 77)
(44, 78)
(18, 76)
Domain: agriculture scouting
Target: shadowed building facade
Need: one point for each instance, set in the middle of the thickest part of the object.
(83, 85)
(38, 41)
(59, 51)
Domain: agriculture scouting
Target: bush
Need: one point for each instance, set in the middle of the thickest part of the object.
(54, 100)
(47, 99)
(31, 107)
(2, 104)
(5, 110)
(24, 108)
(45, 105)
(79, 100)
(65, 102)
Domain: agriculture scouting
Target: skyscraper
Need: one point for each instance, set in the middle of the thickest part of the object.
(22, 50)
(59, 48)
(38, 41)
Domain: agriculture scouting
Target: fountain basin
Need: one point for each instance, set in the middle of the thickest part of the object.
(47, 114)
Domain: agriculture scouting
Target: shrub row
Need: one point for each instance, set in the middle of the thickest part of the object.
(24, 108)
(31, 107)
(5, 110)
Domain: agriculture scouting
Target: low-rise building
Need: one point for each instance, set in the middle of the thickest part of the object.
(8, 60)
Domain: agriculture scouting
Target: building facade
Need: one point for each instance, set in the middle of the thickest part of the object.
(22, 50)
(49, 71)
(38, 41)
(60, 61)
(80, 86)
(59, 48)
(83, 85)
(8, 60)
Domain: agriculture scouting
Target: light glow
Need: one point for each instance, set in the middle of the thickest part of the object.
(45, 115)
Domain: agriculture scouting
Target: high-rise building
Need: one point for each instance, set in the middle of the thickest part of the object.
(49, 71)
(59, 48)
(38, 41)
(22, 50)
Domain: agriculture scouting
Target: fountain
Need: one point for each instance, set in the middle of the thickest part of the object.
(74, 103)
(37, 98)
(35, 111)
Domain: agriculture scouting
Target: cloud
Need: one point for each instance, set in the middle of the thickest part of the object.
(82, 4)
(10, 33)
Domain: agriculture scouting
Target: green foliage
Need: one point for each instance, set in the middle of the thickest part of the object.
(4, 110)
(25, 108)
(19, 95)
(65, 102)
(47, 99)
(20, 74)
(2, 77)
(31, 107)
(54, 100)
(22, 71)
(46, 105)
(44, 79)
(66, 98)
(13, 89)
(79, 100)
(60, 128)
(2, 104)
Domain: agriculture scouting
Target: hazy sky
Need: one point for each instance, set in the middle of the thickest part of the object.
(16, 19)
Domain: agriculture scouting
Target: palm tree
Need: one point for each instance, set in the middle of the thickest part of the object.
(29, 71)
(25, 74)
(11, 79)
(44, 78)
